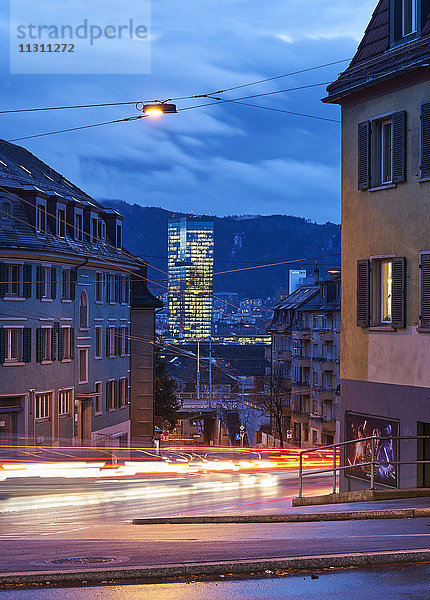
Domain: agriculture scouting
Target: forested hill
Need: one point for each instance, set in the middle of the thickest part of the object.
(240, 242)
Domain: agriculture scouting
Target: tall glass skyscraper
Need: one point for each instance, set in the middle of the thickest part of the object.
(190, 268)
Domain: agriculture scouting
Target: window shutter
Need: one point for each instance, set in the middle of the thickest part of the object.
(26, 344)
(27, 274)
(425, 140)
(363, 295)
(108, 288)
(108, 388)
(127, 341)
(2, 280)
(60, 343)
(364, 155)
(39, 345)
(399, 293)
(127, 392)
(425, 291)
(2, 345)
(53, 283)
(107, 342)
(54, 341)
(73, 279)
(40, 281)
(72, 342)
(399, 146)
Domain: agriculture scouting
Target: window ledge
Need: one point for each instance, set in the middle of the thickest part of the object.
(66, 360)
(111, 410)
(43, 419)
(13, 364)
(84, 328)
(385, 186)
(123, 406)
(97, 414)
(423, 179)
(98, 358)
(382, 328)
(82, 382)
(66, 300)
(423, 329)
(46, 362)
(98, 301)
(14, 298)
(64, 415)
(46, 299)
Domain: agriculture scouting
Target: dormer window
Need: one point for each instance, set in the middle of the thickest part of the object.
(41, 218)
(79, 224)
(409, 17)
(102, 230)
(6, 211)
(405, 19)
(61, 221)
(94, 230)
(118, 236)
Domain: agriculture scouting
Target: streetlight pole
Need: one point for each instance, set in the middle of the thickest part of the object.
(210, 371)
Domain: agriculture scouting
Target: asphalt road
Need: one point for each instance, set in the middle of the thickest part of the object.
(126, 545)
(397, 583)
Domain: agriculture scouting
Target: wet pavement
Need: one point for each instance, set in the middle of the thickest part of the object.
(409, 582)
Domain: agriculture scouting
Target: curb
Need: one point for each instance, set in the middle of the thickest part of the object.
(407, 513)
(237, 567)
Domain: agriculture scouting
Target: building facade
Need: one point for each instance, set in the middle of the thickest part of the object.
(190, 269)
(305, 358)
(64, 310)
(385, 347)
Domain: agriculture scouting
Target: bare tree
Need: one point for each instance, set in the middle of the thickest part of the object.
(277, 400)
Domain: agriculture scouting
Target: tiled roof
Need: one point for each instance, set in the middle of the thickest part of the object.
(375, 59)
(21, 172)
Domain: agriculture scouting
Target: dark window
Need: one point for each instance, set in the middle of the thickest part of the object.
(382, 151)
(83, 311)
(425, 290)
(61, 223)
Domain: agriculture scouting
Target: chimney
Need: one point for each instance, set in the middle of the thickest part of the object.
(316, 275)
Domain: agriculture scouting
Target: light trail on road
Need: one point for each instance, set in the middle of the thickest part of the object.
(107, 463)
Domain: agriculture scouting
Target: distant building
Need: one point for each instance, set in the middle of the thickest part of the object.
(296, 278)
(65, 313)
(385, 98)
(305, 351)
(190, 269)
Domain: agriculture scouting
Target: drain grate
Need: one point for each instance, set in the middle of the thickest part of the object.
(81, 560)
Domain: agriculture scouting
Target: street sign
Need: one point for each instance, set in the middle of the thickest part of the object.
(166, 433)
(237, 436)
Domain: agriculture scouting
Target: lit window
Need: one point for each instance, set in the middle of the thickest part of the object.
(386, 291)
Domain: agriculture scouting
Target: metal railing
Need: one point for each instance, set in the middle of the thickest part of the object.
(374, 460)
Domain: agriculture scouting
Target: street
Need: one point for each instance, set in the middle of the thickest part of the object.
(403, 582)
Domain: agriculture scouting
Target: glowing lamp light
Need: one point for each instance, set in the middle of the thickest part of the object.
(156, 110)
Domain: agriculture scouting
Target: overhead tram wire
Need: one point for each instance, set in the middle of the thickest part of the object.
(131, 272)
(135, 102)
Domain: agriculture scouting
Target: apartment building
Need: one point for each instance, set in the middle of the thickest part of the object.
(305, 351)
(64, 310)
(385, 345)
